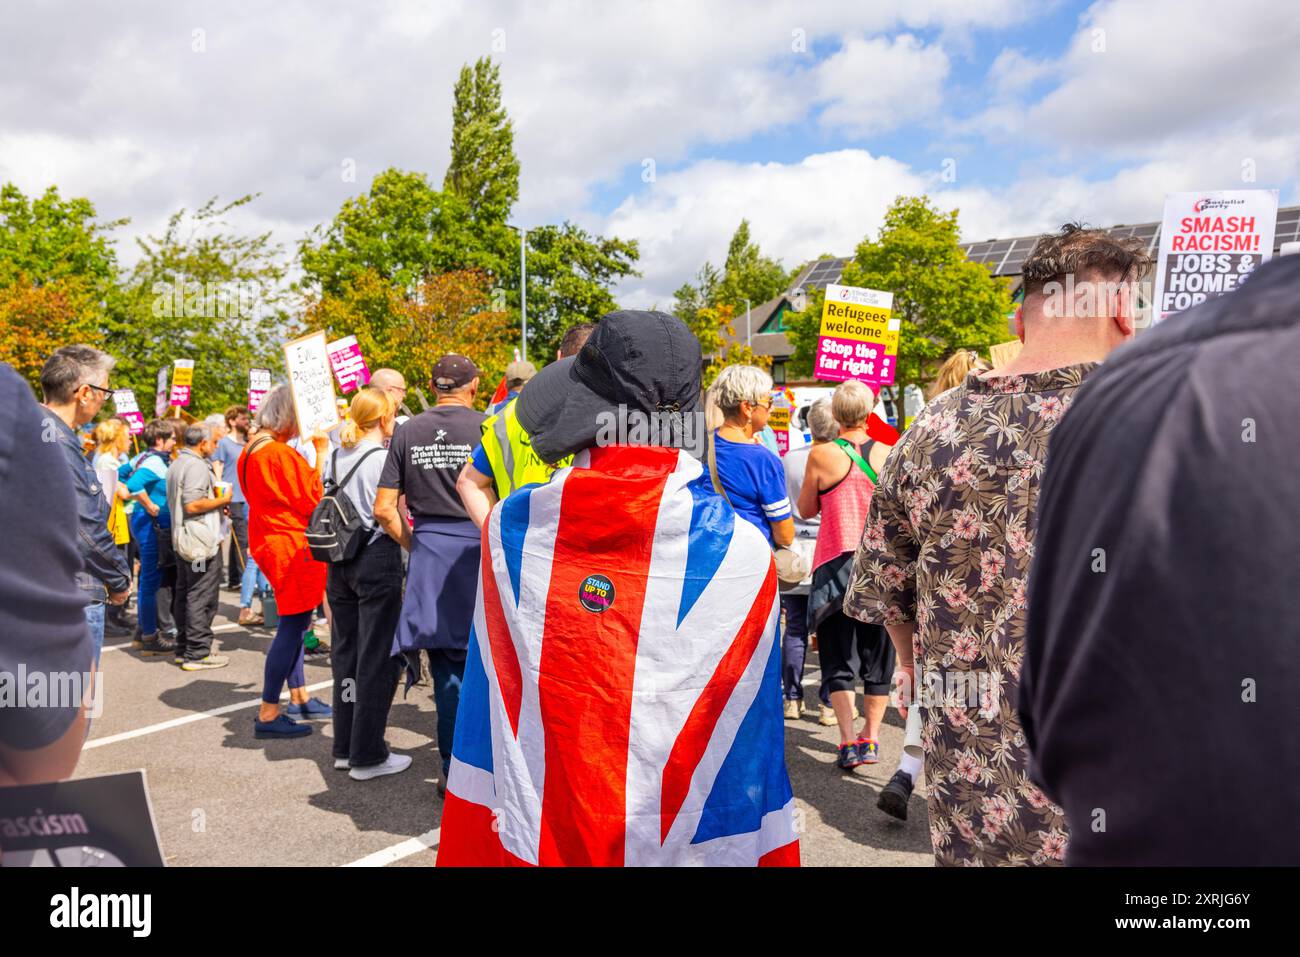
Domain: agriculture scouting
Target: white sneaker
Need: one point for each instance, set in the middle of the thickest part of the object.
(341, 764)
(395, 764)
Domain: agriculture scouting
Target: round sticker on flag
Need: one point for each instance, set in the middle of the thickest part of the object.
(596, 593)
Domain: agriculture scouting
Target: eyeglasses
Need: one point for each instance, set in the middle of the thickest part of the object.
(108, 393)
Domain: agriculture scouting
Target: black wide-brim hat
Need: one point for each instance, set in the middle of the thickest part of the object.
(646, 362)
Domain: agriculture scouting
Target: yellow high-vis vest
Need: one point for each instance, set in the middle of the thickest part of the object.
(509, 451)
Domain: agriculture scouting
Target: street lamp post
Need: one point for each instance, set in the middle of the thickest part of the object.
(523, 289)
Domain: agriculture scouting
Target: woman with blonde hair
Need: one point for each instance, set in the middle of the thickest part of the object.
(365, 596)
(955, 369)
(112, 439)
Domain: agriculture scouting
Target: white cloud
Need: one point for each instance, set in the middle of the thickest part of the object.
(830, 202)
(1013, 72)
(877, 84)
(824, 203)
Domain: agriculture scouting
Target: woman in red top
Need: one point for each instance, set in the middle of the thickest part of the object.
(282, 490)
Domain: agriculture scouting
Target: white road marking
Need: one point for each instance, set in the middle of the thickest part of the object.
(189, 719)
(398, 851)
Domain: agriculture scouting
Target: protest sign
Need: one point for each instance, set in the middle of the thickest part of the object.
(127, 410)
(348, 363)
(103, 821)
(1209, 244)
(312, 382)
(182, 379)
(161, 392)
(859, 336)
(259, 384)
(779, 419)
(1004, 352)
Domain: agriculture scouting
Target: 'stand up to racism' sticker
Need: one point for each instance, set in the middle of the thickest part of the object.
(596, 593)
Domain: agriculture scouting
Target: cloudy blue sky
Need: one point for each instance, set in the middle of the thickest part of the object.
(806, 117)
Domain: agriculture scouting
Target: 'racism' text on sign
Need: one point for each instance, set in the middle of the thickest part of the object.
(1209, 244)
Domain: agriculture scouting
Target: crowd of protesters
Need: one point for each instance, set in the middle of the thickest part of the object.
(906, 563)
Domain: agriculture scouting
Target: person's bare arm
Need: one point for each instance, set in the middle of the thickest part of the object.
(203, 505)
(901, 636)
(783, 531)
(477, 493)
(390, 519)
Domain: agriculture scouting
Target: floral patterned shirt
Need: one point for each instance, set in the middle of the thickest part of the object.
(947, 545)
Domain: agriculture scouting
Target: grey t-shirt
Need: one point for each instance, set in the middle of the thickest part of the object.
(361, 488)
(190, 478)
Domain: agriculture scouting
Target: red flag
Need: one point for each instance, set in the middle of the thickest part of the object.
(880, 430)
(500, 394)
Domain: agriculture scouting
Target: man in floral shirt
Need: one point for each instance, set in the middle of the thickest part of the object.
(946, 550)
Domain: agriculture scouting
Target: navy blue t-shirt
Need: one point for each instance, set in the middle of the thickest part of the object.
(754, 481)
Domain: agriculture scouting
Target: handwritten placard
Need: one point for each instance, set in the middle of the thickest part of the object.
(312, 383)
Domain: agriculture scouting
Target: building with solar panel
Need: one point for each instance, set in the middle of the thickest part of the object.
(763, 328)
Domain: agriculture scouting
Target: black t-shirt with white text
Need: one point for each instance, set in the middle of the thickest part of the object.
(426, 455)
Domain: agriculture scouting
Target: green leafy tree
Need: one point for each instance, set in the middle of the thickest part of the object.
(58, 275)
(51, 238)
(714, 327)
(690, 298)
(203, 291)
(403, 230)
(748, 275)
(409, 332)
(484, 171)
(570, 273)
(945, 301)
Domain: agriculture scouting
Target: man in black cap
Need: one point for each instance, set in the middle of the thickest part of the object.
(621, 703)
(426, 454)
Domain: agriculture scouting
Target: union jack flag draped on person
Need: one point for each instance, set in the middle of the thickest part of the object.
(621, 702)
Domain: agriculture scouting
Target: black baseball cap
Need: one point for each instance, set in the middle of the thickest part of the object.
(646, 361)
(453, 371)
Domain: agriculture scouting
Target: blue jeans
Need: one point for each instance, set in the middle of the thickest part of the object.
(95, 622)
(447, 673)
(150, 575)
(252, 581)
(794, 645)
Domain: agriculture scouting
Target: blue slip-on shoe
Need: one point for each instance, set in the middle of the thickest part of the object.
(312, 710)
(282, 727)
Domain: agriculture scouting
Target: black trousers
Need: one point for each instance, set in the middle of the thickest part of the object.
(197, 588)
(168, 620)
(239, 544)
(365, 596)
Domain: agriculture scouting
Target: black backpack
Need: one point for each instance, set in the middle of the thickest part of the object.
(335, 530)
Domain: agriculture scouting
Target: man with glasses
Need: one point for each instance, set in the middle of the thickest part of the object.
(74, 382)
(394, 383)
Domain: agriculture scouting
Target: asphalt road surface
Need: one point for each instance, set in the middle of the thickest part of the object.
(222, 797)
